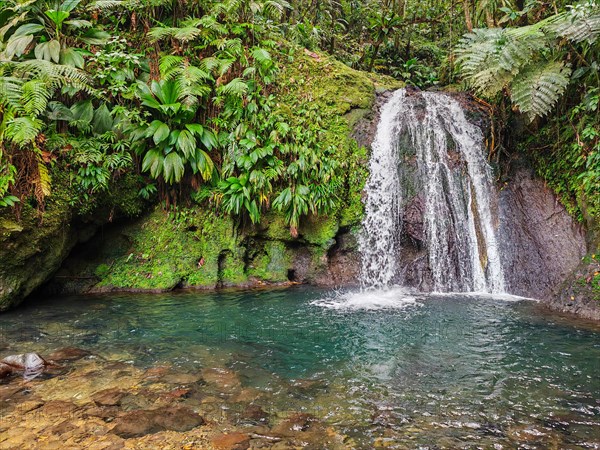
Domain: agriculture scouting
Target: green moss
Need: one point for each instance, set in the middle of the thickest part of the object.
(271, 263)
(170, 250)
(102, 270)
(31, 249)
(273, 227)
(319, 230)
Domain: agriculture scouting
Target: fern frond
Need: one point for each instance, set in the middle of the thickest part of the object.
(579, 29)
(169, 65)
(23, 130)
(35, 97)
(44, 184)
(536, 90)
(236, 87)
(105, 5)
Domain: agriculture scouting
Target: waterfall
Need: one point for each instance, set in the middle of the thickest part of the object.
(426, 150)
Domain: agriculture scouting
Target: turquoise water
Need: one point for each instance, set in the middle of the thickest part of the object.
(452, 370)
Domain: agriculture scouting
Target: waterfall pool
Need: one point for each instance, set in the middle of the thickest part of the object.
(365, 369)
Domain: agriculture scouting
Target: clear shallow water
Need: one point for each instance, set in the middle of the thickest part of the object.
(450, 370)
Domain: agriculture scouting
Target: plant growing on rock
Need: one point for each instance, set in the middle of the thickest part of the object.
(172, 142)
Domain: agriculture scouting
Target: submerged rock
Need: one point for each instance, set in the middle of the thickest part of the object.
(31, 365)
(141, 422)
(68, 354)
(231, 441)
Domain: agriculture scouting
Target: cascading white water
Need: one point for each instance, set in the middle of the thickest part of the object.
(456, 185)
(380, 236)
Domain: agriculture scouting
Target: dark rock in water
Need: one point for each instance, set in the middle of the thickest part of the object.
(141, 422)
(68, 354)
(413, 218)
(106, 413)
(255, 414)
(109, 397)
(178, 419)
(343, 262)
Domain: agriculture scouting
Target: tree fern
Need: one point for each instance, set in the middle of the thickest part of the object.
(536, 90)
(581, 23)
(517, 59)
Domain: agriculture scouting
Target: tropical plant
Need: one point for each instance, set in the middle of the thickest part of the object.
(531, 62)
(49, 29)
(173, 141)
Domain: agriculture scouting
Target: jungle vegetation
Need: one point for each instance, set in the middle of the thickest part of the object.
(181, 97)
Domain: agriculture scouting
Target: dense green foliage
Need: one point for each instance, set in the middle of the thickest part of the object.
(548, 68)
(219, 102)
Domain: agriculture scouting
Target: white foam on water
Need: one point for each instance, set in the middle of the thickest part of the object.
(485, 296)
(370, 299)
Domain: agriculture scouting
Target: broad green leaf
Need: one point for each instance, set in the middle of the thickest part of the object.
(28, 28)
(153, 162)
(204, 164)
(195, 128)
(48, 51)
(103, 121)
(78, 23)
(83, 111)
(186, 143)
(69, 5)
(208, 139)
(95, 37)
(161, 133)
(152, 128)
(57, 16)
(173, 168)
(71, 57)
(16, 46)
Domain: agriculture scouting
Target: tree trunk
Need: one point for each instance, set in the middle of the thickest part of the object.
(374, 56)
(468, 20)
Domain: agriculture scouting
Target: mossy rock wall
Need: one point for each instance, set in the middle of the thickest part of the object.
(197, 248)
(30, 251)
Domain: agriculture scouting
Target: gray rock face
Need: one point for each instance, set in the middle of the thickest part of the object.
(541, 244)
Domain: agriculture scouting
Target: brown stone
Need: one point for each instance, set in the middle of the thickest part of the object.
(231, 441)
(28, 406)
(293, 424)
(5, 370)
(61, 428)
(8, 392)
(141, 422)
(59, 408)
(179, 418)
(68, 354)
(256, 414)
(135, 424)
(106, 413)
(108, 397)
